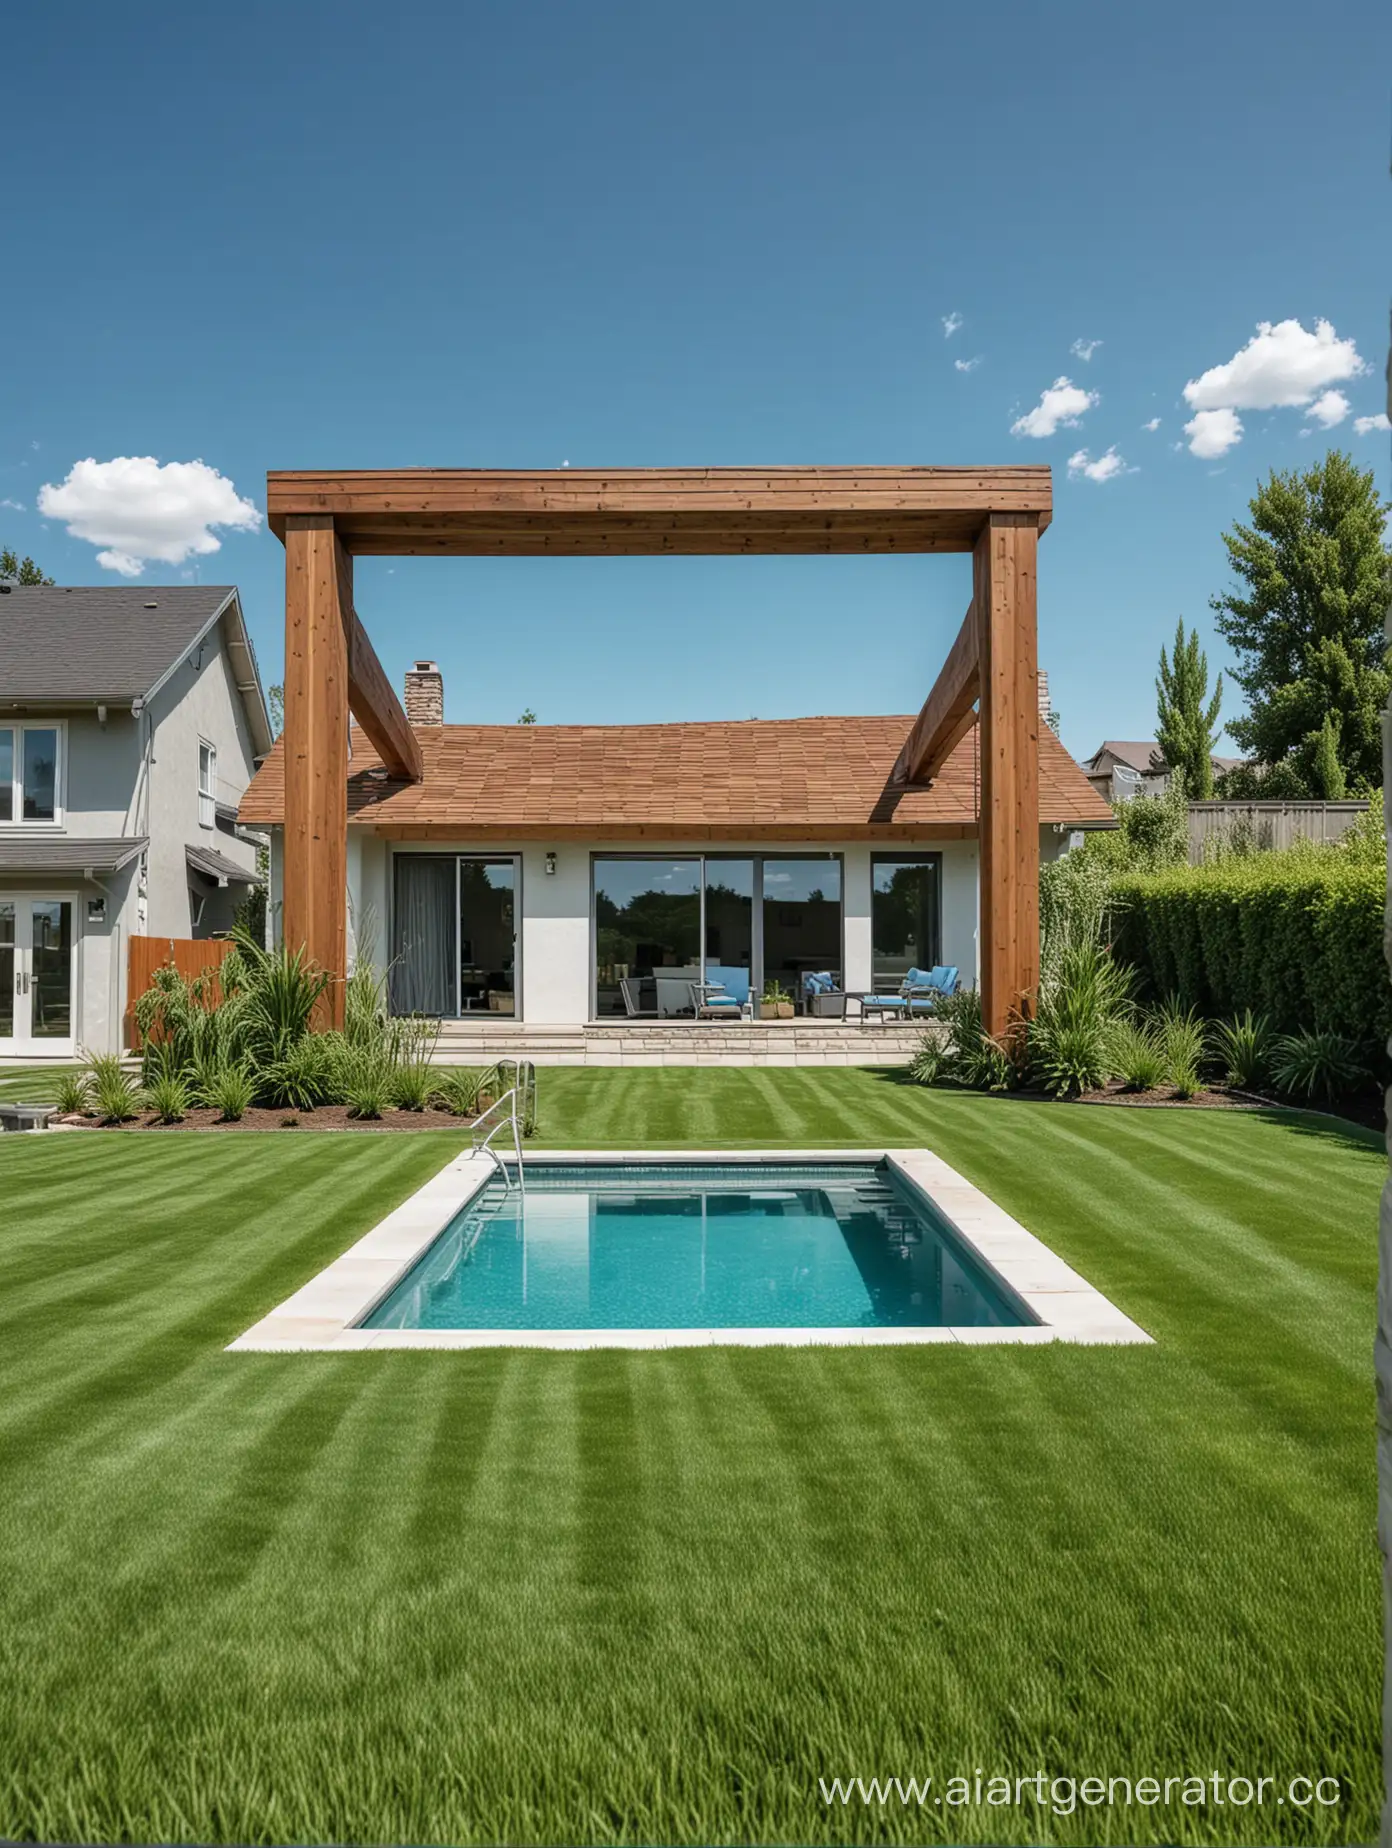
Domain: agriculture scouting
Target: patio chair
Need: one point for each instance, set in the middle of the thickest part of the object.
(822, 996)
(709, 1001)
(630, 987)
(923, 990)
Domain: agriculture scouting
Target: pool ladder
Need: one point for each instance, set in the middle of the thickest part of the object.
(515, 1110)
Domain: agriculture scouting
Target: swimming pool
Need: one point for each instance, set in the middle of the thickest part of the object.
(634, 1245)
(689, 1248)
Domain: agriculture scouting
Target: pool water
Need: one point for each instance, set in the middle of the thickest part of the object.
(648, 1245)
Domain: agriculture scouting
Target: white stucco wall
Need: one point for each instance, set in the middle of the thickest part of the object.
(555, 948)
(200, 701)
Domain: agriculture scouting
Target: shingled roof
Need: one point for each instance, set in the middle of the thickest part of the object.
(786, 779)
(63, 645)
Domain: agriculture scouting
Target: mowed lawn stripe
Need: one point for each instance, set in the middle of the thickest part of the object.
(450, 1597)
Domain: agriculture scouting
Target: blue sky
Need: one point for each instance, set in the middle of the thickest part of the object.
(474, 235)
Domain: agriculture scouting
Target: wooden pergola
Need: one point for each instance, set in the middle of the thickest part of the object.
(990, 675)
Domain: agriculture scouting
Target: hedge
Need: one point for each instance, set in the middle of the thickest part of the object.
(1296, 936)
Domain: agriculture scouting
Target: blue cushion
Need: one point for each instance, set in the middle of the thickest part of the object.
(884, 1001)
(731, 977)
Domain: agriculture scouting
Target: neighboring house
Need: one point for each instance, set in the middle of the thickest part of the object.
(131, 721)
(563, 874)
(1122, 768)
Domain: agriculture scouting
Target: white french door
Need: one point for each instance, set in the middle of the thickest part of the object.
(38, 969)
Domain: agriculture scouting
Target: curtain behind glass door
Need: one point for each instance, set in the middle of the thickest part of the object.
(425, 971)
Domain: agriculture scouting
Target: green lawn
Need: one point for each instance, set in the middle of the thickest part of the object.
(444, 1597)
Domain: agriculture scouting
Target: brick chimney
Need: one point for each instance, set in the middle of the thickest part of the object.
(1044, 707)
(425, 694)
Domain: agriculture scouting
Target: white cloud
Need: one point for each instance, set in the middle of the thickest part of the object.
(1154, 424)
(1058, 408)
(967, 365)
(951, 323)
(1213, 433)
(1281, 365)
(1378, 421)
(140, 510)
(14, 505)
(1103, 469)
(1330, 408)
(1084, 349)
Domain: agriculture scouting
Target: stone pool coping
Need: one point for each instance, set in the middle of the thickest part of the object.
(322, 1316)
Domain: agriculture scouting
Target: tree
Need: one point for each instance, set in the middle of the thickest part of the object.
(1326, 770)
(1306, 621)
(527, 718)
(1187, 717)
(275, 705)
(22, 570)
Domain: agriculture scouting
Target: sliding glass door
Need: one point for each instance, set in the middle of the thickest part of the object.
(662, 925)
(802, 922)
(454, 934)
(905, 915)
(647, 926)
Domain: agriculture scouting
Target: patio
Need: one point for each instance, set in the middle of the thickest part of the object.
(801, 1040)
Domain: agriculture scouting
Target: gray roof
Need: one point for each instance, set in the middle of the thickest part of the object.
(217, 866)
(1124, 751)
(112, 642)
(64, 854)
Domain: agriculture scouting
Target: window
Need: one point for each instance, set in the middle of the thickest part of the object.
(661, 925)
(207, 785)
(905, 915)
(30, 773)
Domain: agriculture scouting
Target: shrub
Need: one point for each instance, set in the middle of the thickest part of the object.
(72, 1095)
(306, 1074)
(1136, 1055)
(230, 1090)
(1242, 1048)
(1181, 1036)
(1295, 935)
(457, 1089)
(278, 993)
(114, 1093)
(1070, 1037)
(932, 1062)
(978, 1061)
(1318, 1064)
(412, 1085)
(367, 1086)
(168, 1097)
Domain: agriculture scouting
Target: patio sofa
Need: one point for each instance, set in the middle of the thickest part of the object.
(919, 994)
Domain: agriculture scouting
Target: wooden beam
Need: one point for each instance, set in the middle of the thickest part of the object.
(947, 712)
(316, 752)
(371, 697)
(1003, 578)
(591, 512)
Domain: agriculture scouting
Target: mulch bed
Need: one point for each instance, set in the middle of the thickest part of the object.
(1367, 1109)
(326, 1116)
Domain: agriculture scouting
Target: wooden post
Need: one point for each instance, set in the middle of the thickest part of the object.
(1003, 579)
(316, 750)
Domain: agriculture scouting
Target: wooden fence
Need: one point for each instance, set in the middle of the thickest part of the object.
(189, 955)
(1270, 824)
